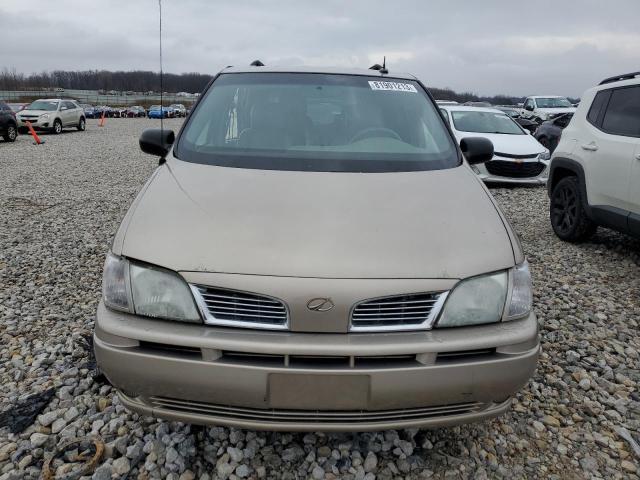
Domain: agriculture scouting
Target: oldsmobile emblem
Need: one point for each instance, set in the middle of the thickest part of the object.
(321, 304)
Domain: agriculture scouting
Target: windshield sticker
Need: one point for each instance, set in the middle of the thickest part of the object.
(393, 86)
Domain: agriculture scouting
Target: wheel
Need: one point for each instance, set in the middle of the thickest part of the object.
(57, 127)
(569, 219)
(11, 134)
(82, 125)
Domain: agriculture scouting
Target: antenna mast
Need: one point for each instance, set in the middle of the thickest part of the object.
(161, 83)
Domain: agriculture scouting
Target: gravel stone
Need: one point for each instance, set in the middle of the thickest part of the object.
(60, 205)
(121, 466)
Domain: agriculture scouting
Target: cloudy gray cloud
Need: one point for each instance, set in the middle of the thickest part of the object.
(486, 47)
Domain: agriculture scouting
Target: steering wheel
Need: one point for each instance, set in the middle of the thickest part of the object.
(375, 132)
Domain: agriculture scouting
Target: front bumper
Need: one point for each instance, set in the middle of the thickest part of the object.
(37, 123)
(487, 177)
(306, 381)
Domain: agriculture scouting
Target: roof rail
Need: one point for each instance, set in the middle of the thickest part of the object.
(257, 63)
(617, 78)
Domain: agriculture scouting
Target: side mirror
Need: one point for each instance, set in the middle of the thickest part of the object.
(476, 149)
(529, 107)
(155, 141)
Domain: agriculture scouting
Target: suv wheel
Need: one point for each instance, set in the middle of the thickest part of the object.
(57, 127)
(11, 134)
(568, 216)
(82, 124)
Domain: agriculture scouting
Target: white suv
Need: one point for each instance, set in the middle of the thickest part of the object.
(53, 115)
(594, 175)
(546, 107)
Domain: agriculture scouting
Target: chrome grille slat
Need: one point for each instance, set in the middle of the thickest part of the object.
(242, 304)
(398, 312)
(235, 298)
(240, 309)
(369, 304)
(410, 307)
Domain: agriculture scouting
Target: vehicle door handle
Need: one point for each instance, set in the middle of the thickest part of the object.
(592, 147)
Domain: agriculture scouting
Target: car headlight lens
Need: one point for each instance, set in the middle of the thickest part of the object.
(44, 116)
(521, 294)
(475, 301)
(481, 300)
(544, 155)
(148, 291)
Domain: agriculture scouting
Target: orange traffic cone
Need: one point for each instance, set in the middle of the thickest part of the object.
(34, 134)
(102, 120)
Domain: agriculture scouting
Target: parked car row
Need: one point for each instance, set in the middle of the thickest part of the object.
(171, 111)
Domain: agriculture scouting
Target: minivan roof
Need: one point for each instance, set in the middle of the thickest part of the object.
(324, 70)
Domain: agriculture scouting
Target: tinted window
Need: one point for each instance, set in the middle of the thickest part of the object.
(599, 102)
(317, 122)
(623, 112)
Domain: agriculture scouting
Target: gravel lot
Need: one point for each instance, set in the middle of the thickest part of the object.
(60, 204)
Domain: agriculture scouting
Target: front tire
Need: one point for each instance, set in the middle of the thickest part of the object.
(57, 127)
(567, 213)
(11, 134)
(82, 125)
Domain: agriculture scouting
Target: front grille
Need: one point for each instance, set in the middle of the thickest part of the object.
(323, 362)
(401, 312)
(314, 416)
(511, 155)
(240, 309)
(504, 168)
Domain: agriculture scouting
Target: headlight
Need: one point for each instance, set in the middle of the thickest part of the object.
(44, 116)
(544, 155)
(481, 300)
(475, 301)
(148, 291)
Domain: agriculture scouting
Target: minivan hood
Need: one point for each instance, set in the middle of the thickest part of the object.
(433, 224)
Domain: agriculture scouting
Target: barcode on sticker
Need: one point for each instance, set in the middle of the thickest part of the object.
(393, 86)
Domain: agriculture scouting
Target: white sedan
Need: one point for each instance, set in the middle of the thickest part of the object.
(517, 158)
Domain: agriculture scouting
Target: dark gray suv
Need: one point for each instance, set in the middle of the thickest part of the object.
(8, 124)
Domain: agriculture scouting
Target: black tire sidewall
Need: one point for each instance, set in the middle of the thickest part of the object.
(57, 123)
(7, 136)
(82, 125)
(583, 227)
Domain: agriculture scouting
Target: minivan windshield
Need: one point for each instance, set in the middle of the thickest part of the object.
(317, 122)
(485, 122)
(45, 105)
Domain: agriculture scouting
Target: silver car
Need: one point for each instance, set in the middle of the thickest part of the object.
(314, 253)
(53, 115)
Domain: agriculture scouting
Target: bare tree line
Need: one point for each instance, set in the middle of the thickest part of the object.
(142, 81)
(137, 81)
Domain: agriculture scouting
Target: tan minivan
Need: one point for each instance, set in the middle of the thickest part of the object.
(315, 253)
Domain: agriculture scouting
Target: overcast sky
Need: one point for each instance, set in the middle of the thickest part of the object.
(486, 47)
